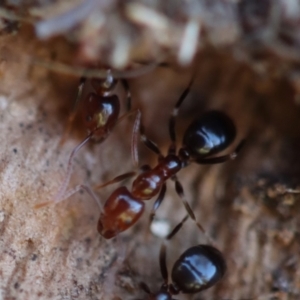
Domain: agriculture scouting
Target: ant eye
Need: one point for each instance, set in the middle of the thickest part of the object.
(209, 134)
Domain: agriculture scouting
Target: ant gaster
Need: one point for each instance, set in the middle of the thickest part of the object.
(197, 269)
(207, 135)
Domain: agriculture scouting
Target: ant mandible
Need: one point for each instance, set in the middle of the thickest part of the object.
(206, 136)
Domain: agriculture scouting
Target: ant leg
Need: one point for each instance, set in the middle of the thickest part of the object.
(138, 128)
(221, 159)
(72, 115)
(148, 143)
(163, 263)
(134, 139)
(157, 203)
(180, 192)
(134, 136)
(72, 192)
(128, 94)
(121, 177)
(89, 191)
(145, 287)
(115, 180)
(65, 183)
(176, 228)
(172, 148)
(124, 176)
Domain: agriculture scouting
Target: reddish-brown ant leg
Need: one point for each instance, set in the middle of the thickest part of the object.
(60, 194)
(73, 113)
(134, 153)
(176, 228)
(115, 180)
(121, 177)
(134, 139)
(138, 129)
(180, 192)
(72, 192)
(89, 191)
(65, 183)
(148, 143)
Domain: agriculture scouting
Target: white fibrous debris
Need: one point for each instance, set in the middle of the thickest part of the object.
(160, 227)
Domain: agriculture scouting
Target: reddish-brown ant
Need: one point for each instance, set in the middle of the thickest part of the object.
(197, 269)
(208, 135)
(100, 113)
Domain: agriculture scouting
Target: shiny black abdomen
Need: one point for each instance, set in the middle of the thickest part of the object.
(198, 268)
(209, 134)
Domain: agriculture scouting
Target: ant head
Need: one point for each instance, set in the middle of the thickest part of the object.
(103, 86)
(100, 114)
(197, 269)
(210, 134)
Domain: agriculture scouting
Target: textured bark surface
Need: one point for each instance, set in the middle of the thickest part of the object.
(249, 206)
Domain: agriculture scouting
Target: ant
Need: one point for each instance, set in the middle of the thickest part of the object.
(100, 111)
(207, 135)
(197, 269)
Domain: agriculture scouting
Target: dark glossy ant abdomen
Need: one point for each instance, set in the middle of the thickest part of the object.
(121, 211)
(197, 269)
(100, 114)
(210, 134)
